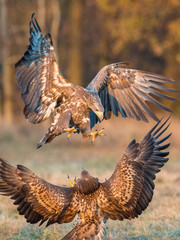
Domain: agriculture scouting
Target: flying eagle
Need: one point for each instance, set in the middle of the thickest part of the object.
(116, 89)
(123, 196)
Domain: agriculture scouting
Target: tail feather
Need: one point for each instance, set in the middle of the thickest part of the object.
(91, 228)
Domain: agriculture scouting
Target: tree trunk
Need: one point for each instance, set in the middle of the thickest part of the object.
(55, 12)
(75, 60)
(7, 114)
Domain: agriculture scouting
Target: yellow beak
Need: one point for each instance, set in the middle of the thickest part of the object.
(100, 115)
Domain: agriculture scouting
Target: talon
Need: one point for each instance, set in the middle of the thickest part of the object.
(74, 181)
(96, 134)
(71, 184)
(70, 131)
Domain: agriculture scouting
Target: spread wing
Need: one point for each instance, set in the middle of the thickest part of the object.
(37, 199)
(127, 91)
(130, 189)
(38, 76)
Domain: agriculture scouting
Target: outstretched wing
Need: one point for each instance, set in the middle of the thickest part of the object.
(37, 199)
(130, 189)
(127, 91)
(38, 76)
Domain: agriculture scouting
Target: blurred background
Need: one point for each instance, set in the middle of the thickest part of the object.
(88, 35)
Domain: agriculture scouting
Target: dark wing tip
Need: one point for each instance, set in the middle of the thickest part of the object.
(18, 63)
(39, 145)
(43, 141)
(33, 14)
(39, 45)
(34, 49)
(1, 160)
(162, 125)
(153, 159)
(155, 135)
(4, 162)
(34, 23)
(156, 131)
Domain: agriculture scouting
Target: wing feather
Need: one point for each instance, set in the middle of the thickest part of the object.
(37, 199)
(121, 99)
(38, 75)
(129, 190)
(137, 107)
(132, 89)
(131, 107)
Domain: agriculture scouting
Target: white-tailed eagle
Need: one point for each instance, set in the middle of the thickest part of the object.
(116, 89)
(124, 195)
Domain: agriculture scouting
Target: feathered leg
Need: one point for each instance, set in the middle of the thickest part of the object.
(60, 123)
(86, 131)
(90, 226)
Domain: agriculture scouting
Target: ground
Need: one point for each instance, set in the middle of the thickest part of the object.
(54, 161)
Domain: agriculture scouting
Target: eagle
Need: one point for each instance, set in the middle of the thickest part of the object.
(125, 195)
(115, 90)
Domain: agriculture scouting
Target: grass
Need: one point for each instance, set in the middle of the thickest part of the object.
(54, 161)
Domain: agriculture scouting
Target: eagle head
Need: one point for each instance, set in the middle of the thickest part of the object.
(86, 184)
(95, 104)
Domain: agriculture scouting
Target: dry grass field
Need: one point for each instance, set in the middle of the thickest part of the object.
(54, 161)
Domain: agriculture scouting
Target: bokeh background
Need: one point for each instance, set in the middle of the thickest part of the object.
(88, 34)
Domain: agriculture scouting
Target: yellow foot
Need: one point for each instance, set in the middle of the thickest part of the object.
(71, 184)
(96, 134)
(70, 131)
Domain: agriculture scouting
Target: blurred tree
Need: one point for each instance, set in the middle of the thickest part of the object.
(75, 62)
(6, 101)
(55, 14)
(88, 35)
(145, 33)
(41, 6)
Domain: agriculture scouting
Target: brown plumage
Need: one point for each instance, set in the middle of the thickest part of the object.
(123, 196)
(115, 89)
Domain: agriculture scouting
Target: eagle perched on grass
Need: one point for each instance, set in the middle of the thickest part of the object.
(116, 89)
(123, 196)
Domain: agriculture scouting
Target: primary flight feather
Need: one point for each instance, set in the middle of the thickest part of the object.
(124, 195)
(116, 89)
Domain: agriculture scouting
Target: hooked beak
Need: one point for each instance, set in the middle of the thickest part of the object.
(100, 115)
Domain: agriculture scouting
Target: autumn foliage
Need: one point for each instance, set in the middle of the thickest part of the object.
(88, 35)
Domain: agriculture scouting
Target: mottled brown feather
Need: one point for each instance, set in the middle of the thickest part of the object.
(33, 194)
(132, 89)
(130, 189)
(115, 90)
(124, 195)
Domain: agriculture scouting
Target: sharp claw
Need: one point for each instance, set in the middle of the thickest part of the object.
(100, 131)
(70, 131)
(96, 134)
(71, 184)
